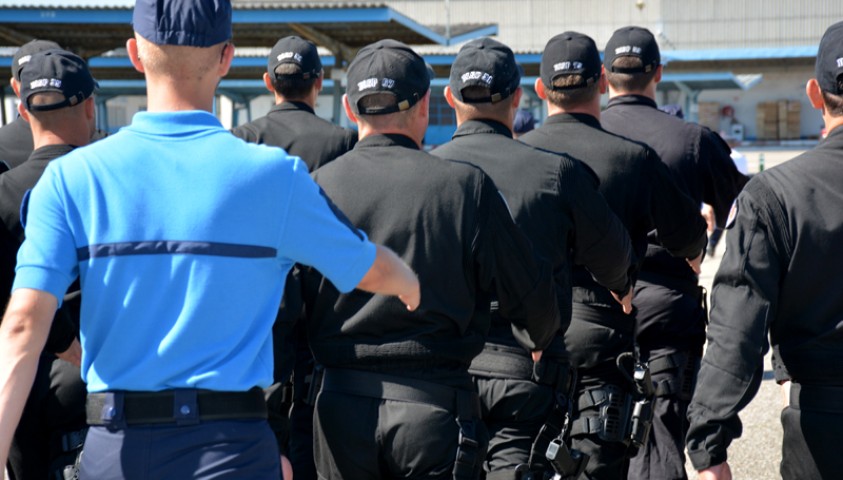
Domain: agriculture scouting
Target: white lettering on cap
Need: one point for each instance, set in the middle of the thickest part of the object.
(295, 56)
(24, 59)
(483, 77)
(567, 66)
(367, 84)
(840, 63)
(627, 49)
(44, 82)
(387, 83)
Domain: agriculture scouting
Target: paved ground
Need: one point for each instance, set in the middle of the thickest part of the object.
(756, 455)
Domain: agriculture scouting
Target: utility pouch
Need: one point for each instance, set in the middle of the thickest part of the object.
(567, 463)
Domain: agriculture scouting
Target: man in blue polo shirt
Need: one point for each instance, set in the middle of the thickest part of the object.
(182, 261)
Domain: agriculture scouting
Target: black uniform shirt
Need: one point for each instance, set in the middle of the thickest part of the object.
(13, 186)
(294, 127)
(15, 142)
(698, 158)
(448, 221)
(781, 273)
(636, 184)
(555, 201)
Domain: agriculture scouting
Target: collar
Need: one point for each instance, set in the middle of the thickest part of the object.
(286, 106)
(169, 124)
(631, 100)
(50, 152)
(472, 127)
(585, 118)
(835, 135)
(387, 140)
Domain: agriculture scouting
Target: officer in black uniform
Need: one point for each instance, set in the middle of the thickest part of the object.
(780, 276)
(670, 316)
(397, 400)
(554, 199)
(294, 76)
(641, 191)
(52, 426)
(16, 137)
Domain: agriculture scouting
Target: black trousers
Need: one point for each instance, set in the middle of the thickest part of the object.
(811, 444)
(55, 407)
(596, 337)
(513, 412)
(669, 321)
(363, 438)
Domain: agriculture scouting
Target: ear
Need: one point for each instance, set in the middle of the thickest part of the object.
(267, 81)
(516, 98)
(132, 50)
(319, 81)
(348, 111)
(602, 82)
(815, 94)
(540, 89)
(23, 112)
(226, 59)
(425, 104)
(449, 96)
(658, 77)
(90, 108)
(15, 86)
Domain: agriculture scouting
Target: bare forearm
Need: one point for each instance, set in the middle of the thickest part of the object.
(389, 275)
(23, 334)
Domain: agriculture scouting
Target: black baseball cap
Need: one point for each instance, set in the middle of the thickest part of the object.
(56, 71)
(25, 52)
(387, 66)
(570, 53)
(829, 65)
(191, 23)
(632, 42)
(298, 51)
(485, 63)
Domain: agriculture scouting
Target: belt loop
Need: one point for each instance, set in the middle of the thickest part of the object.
(185, 406)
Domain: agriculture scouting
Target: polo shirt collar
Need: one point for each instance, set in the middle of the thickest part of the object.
(174, 123)
(631, 100)
(585, 118)
(387, 140)
(472, 127)
(291, 106)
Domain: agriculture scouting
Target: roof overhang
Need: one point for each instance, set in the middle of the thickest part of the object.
(696, 81)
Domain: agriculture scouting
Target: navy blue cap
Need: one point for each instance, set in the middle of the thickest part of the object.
(297, 51)
(570, 53)
(190, 23)
(829, 65)
(56, 71)
(632, 42)
(524, 121)
(24, 54)
(485, 63)
(387, 66)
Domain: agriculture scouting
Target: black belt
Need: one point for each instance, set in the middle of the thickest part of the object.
(817, 398)
(501, 361)
(465, 403)
(180, 406)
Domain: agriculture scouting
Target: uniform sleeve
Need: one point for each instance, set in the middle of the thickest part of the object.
(675, 216)
(601, 242)
(47, 260)
(318, 234)
(744, 301)
(243, 132)
(523, 282)
(722, 181)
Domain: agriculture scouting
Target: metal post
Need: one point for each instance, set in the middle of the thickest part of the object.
(447, 22)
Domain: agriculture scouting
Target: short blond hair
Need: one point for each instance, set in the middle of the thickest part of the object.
(178, 61)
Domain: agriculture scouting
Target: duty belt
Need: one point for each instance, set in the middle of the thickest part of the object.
(501, 361)
(682, 384)
(184, 406)
(819, 398)
(465, 404)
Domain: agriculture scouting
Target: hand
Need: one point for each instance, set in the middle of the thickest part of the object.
(286, 469)
(716, 472)
(696, 263)
(537, 355)
(412, 299)
(625, 301)
(708, 214)
(73, 354)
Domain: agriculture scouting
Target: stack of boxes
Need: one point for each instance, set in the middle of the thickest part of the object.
(709, 115)
(778, 120)
(789, 119)
(767, 121)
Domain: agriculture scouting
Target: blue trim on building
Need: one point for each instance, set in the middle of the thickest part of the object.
(66, 15)
(486, 31)
(738, 54)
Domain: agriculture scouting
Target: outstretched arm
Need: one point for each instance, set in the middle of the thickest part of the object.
(23, 334)
(389, 275)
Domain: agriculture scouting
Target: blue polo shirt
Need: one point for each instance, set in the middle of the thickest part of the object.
(182, 236)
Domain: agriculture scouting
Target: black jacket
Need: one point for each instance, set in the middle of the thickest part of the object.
(636, 184)
(555, 201)
(698, 158)
(294, 127)
(15, 142)
(780, 275)
(13, 186)
(448, 221)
